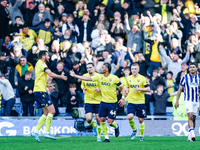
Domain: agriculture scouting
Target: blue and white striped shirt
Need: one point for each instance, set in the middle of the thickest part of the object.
(191, 87)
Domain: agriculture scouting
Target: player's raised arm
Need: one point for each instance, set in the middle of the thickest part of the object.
(53, 75)
(178, 96)
(79, 77)
(146, 89)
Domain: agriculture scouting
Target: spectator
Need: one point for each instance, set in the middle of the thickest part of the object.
(63, 19)
(173, 64)
(69, 36)
(85, 27)
(170, 87)
(39, 46)
(40, 16)
(97, 32)
(184, 71)
(161, 100)
(109, 43)
(60, 11)
(156, 80)
(25, 89)
(17, 26)
(103, 20)
(54, 96)
(8, 95)
(134, 36)
(117, 30)
(150, 6)
(119, 70)
(27, 37)
(87, 56)
(174, 48)
(63, 87)
(4, 17)
(3, 64)
(73, 98)
(21, 68)
(5, 44)
(162, 72)
(15, 11)
(122, 10)
(30, 13)
(66, 45)
(149, 95)
(74, 55)
(133, 19)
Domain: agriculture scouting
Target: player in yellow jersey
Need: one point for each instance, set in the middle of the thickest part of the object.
(92, 95)
(42, 98)
(108, 85)
(136, 88)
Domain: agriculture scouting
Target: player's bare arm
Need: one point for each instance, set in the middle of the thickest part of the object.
(121, 101)
(178, 96)
(53, 75)
(146, 89)
(173, 94)
(79, 77)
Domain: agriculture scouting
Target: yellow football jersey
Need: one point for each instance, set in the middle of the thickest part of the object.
(123, 80)
(40, 77)
(139, 96)
(91, 96)
(108, 86)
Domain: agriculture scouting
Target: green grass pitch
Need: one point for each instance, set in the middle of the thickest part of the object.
(89, 143)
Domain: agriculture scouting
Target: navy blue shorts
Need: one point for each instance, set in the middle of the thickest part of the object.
(91, 108)
(42, 99)
(137, 109)
(108, 109)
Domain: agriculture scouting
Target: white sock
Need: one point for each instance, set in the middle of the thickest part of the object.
(36, 131)
(106, 137)
(46, 132)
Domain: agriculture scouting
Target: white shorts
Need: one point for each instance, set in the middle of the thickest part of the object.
(192, 107)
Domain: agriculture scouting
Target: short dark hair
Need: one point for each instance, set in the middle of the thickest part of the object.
(23, 57)
(108, 66)
(170, 73)
(28, 72)
(159, 85)
(90, 64)
(71, 85)
(18, 17)
(106, 50)
(127, 68)
(47, 20)
(192, 64)
(42, 53)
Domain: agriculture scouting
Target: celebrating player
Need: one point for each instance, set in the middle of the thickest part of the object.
(92, 99)
(190, 82)
(42, 98)
(108, 85)
(136, 88)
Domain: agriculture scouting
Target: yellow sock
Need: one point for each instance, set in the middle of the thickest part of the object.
(132, 124)
(104, 128)
(48, 122)
(92, 124)
(142, 127)
(41, 122)
(114, 125)
(99, 130)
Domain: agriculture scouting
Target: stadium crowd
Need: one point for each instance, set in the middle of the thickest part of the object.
(162, 36)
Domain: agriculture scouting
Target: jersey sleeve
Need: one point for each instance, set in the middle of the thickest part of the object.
(82, 84)
(127, 84)
(117, 81)
(144, 82)
(44, 67)
(182, 83)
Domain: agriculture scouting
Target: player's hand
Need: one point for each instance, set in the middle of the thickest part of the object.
(121, 102)
(73, 98)
(135, 89)
(176, 105)
(16, 83)
(26, 88)
(72, 73)
(97, 89)
(63, 76)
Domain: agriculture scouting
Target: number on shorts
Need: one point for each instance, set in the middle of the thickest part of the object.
(113, 112)
(143, 112)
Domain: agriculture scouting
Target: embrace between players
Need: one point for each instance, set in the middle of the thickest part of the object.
(101, 97)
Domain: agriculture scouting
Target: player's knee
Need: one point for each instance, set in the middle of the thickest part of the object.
(110, 121)
(102, 119)
(130, 117)
(52, 111)
(141, 120)
(89, 120)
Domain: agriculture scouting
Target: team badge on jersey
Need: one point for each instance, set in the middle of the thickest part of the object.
(110, 80)
(138, 80)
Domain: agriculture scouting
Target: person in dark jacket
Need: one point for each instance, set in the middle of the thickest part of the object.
(74, 55)
(87, 25)
(4, 19)
(25, 89)
(73, 98)
(63, 86)
(3, 63)
(29, 13)
(54, 96)
(156, 80)
(17, 26)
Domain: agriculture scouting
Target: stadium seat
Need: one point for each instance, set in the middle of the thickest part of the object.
(169, 111)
